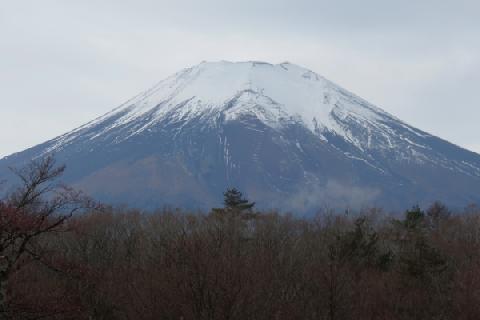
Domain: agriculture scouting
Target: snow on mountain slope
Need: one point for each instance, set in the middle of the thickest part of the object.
(286, 91)
(274, 94)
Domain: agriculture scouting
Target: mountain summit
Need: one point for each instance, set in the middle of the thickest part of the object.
(286, 136)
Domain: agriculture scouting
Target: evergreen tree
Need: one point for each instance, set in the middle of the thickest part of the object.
(233, 199)
(417, 257)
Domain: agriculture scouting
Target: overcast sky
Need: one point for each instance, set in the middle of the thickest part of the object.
(63, 63)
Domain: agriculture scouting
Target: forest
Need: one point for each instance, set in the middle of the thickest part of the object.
(63, 256)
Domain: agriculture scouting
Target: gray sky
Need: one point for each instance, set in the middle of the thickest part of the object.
(63, 63)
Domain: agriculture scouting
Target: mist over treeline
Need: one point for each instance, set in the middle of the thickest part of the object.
(62, 256)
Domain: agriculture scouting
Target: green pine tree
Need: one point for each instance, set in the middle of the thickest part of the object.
(233, 199)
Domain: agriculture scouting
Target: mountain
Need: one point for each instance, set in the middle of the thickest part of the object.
(283, 134)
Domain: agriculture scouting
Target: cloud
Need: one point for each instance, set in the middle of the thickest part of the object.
(334, 194)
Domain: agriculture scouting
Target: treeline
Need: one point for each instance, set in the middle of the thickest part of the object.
(233, 262)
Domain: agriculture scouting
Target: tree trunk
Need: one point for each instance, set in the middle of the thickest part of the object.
(3, 297)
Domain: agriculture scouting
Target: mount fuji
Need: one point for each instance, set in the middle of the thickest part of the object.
(281, 133)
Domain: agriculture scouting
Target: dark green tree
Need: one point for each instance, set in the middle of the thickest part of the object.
(417, 257)
(233, 199)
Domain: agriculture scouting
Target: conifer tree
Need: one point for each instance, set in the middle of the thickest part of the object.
(233, 199)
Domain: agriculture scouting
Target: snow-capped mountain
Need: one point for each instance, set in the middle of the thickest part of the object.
(285, 135)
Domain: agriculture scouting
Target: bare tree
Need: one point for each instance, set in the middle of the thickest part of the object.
(39, 206)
